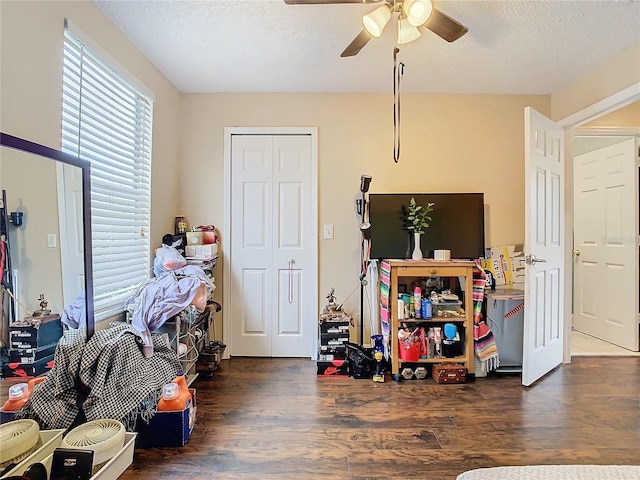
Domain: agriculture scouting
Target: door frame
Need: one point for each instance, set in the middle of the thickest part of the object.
(229, 132)
(607, 105)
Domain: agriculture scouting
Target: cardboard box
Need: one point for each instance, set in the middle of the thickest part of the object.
(194, 238)
(167, 429)
(209, 250)
(31, 355)
(28, 369)
(27, 334)
(505, 263)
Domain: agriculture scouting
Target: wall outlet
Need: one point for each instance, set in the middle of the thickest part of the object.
(51, 240)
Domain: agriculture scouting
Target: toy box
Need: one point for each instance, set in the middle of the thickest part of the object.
(168, 429)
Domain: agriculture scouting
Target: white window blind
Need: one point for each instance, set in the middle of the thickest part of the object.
(107, 121)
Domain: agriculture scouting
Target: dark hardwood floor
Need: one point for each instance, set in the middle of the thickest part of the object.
(275, 419)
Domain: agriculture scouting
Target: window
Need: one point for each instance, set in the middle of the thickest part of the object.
(107, 121)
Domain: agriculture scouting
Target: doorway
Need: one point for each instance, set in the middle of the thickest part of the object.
(270, 263)
(616, 123)
(605, 250)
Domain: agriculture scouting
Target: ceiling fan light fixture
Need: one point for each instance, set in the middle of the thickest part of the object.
(374, 22)
(417, 11)
(407, 32)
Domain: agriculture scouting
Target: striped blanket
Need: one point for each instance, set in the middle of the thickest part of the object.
(483, 341)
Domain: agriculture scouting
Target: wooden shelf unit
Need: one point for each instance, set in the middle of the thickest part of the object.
(416, 269)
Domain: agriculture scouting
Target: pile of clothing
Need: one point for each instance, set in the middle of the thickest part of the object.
(160, 298)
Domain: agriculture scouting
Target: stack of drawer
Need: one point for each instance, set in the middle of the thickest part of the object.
(332, 347)
(32, 344)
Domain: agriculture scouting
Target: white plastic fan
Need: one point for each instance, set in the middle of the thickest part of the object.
(18, 439)
(105, 437)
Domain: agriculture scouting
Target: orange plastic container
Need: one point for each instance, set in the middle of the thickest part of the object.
(175, 395)
(19, 394)
(170, 400)
(185, 394)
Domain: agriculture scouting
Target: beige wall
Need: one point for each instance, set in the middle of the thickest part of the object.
(628, 116)
(36, 197)
(31, 90)
(450, 143)
(609, 78)
(31, 40)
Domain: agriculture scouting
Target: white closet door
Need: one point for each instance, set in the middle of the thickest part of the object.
(273, 260)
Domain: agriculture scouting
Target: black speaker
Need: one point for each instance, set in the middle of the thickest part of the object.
(71, 464)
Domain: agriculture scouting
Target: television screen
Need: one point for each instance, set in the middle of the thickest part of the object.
(457, 225)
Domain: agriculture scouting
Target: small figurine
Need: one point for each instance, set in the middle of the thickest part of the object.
(43, 307)
(332, 299)
(332, 311)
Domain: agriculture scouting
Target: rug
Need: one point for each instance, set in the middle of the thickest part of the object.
(555, 472)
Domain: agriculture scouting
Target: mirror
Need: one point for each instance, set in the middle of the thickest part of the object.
(50, 251)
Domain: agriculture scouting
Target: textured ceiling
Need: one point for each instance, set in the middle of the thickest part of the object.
(525, 46)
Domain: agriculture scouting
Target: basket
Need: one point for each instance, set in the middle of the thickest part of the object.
(362, 362)
(409, 352)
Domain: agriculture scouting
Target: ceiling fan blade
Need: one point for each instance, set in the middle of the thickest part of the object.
(445, 26)
(327, 2)
(356, 45)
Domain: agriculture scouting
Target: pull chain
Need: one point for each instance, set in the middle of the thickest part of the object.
(398, 71)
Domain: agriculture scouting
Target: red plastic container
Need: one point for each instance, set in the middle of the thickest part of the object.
(409, 352)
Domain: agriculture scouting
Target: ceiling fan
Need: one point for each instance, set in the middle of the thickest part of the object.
(412, 15)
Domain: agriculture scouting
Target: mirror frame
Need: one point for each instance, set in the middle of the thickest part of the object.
(27, 146)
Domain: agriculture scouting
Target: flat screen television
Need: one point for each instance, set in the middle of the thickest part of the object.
(457, 225)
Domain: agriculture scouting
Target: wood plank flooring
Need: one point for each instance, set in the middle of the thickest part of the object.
(273, 419)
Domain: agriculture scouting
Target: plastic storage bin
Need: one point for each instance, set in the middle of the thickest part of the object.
(451, 310)
(505, 318)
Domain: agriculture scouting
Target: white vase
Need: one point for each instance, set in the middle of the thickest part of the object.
(417, 253)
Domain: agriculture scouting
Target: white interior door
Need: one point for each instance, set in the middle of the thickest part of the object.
(544, 246)
(605, 245)
(273, 258)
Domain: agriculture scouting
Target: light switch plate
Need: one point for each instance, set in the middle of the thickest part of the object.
(327, 232)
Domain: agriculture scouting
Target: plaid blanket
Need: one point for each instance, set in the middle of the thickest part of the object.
(106, 377)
